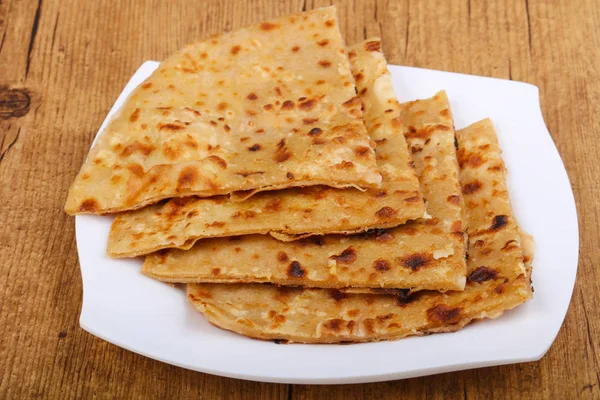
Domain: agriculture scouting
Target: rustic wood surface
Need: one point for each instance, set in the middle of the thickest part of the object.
(62, 65)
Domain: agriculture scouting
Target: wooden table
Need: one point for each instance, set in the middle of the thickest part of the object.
(62, 65)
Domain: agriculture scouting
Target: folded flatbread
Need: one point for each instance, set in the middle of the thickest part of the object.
(298, 211)
(267, 107)
(498, 279)
(418, 255)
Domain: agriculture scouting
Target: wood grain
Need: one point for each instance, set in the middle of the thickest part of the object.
(62, 65)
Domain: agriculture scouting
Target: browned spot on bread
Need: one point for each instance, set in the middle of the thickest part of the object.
(218, 160)
(369, 324)
(445, 113)
(325, 63)
(135, 116)
(337, 295)
(89, 205)
(323, 42)
(444, 314)
(453, 199)
(235, 49)
(355, 312)
(413, 199)
(213, 123)
(416, 149)
(295, 49)
(307, 105)
(216, 271)
(344, 165)
(192, 214)
(499, 222)
(329, 23)
(222, 106)
(268, 26)
(295, 270)
(397, 123)
(287, 105)
(147, 85)
(282, 256)
(424, 133)
(137, 147)
(353, 102)
(281, 153)
(216, 224)
(359, 77)
(416, 261)
(317, 141)
(361, 151)
(115, 179)
(381, 265)
(456, 226)
(249, 214)
(273, 205)
(511, 244)
(468, 159)
(136, 169)
(386, 212)
(187, 177)
(252, 96)
(170, 127)
(482, 274)
(347, 256)
(190, 142)
(373, 46)
(255, 147)
(334, 325)
(315, 131)
(471, 187)
(289, 175)
(309, 121)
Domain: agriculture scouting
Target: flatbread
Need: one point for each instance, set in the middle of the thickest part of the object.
(298, 211)
(418, 255)
(498, 278)
(238, 111)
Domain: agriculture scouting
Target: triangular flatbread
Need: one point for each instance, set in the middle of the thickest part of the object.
(498, 279)
(238, 111)
(419, 255)
(297, 211)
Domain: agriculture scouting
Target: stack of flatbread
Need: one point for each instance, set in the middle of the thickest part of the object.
(274, 172)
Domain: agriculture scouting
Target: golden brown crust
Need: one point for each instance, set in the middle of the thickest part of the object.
(234, 112)
(419, 255)
(298, 212)
(328, 316)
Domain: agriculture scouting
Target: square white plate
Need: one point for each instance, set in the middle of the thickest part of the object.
(124, 307)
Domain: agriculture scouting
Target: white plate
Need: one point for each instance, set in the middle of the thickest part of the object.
(124, 307)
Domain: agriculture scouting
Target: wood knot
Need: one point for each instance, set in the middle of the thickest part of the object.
(13, 102)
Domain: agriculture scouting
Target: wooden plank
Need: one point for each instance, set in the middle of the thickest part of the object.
(62, 66)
